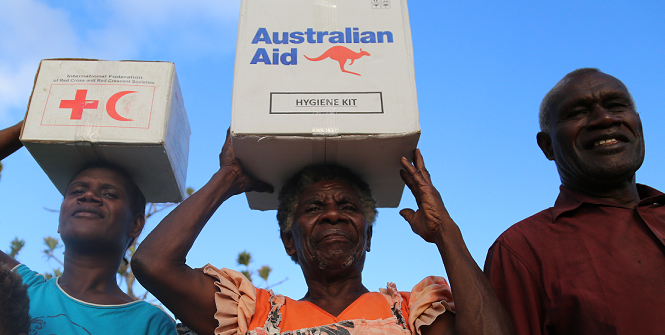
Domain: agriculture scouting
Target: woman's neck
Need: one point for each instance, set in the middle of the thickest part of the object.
(92, 279)
(334, 296)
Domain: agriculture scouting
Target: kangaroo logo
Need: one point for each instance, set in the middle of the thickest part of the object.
(341, 54)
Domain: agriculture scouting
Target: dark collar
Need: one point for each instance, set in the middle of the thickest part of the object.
(570, 200)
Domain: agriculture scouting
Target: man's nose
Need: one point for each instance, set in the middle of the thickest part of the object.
(602, 117)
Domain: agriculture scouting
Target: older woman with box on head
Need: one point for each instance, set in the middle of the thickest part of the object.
(325, 217)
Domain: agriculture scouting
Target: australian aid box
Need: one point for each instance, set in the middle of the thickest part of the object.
(324, 82)
(129, 113)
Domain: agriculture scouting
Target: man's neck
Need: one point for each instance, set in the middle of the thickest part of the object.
(624, 192)
(92, 279)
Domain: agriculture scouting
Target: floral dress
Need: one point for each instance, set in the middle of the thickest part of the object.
(243, 309)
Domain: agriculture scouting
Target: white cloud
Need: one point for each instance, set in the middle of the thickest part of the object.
(162, 12)
(27, 35)
(15, 87)
(31, 30)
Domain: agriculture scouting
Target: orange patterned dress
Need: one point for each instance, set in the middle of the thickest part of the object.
(244, 309)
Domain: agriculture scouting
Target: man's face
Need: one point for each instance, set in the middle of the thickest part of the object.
(596, 134)
(330, 231)
(96, 212)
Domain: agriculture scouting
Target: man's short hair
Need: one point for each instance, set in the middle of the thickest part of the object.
(135, 196)
(14, 303)
(288, 196)
(552, 97)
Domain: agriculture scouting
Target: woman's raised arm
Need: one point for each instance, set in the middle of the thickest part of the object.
(478, 310)
(159, 262)
(9, 140)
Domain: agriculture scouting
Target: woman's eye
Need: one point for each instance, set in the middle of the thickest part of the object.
(311, 209)
(349, 208)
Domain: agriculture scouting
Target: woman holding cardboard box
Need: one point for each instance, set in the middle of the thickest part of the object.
(325, 216)
(101, 214)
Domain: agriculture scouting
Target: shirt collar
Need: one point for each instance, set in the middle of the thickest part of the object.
(570, 200)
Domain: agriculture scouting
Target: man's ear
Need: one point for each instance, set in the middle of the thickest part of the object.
(369, 237)
(545, 143)
(137, 226)
(289, 246)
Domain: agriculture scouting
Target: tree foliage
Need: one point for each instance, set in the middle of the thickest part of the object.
(264, 272)
(244, 258)
(52, 244)
(15, 245)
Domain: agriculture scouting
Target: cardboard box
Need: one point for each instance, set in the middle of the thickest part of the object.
(324, 82)
(129, 113)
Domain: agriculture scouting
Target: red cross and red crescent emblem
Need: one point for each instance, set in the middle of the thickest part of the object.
(80, 103)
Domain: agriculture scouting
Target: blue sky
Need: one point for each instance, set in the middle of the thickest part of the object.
(481, 71)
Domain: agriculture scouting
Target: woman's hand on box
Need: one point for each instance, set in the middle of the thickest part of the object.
(231, 167)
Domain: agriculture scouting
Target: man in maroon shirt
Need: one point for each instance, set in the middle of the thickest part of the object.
(595, 262)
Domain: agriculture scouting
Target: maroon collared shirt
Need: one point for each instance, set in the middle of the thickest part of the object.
(584, 267)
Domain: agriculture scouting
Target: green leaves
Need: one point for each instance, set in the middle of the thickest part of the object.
(247, 274)
(52, 243)
(15, 245)
(56, 273)
(244, 258)
(264, 272)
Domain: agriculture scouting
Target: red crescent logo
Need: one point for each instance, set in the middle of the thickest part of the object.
(110, 105)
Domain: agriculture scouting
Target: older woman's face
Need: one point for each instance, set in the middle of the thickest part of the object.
(330, 230)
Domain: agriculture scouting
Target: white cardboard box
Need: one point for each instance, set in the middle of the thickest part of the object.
(129, 113)
(324, 82)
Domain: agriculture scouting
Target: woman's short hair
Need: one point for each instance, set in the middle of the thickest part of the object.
(288, 196)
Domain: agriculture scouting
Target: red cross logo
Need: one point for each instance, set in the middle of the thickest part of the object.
(79, 104)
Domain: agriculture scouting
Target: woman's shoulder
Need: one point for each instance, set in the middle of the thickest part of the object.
(235, 299)
(430, 290)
